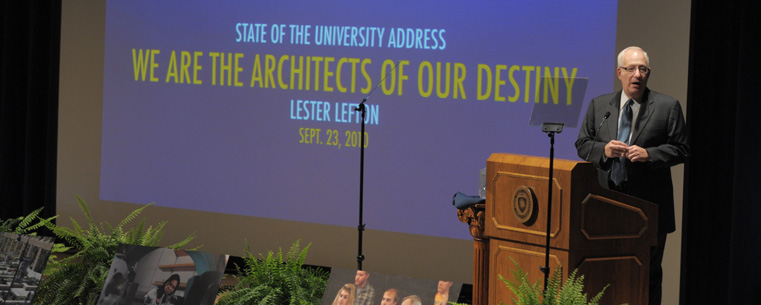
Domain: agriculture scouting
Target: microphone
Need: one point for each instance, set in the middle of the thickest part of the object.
(362, 104)
(604, 117)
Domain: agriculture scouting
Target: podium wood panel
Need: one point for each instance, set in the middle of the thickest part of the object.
(529, 257)
(605, 234)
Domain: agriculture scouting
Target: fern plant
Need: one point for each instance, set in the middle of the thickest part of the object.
(79, 279)
(24, 224)
(570, 292)
(276, 279)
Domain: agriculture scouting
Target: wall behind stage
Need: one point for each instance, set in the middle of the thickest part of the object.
(663, 30)
(660, 28)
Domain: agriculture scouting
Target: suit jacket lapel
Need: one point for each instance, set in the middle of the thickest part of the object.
(645, 112)
(614, 106)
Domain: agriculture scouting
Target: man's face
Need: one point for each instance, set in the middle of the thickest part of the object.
(389, 298)
(633, 83)
(444, 286)
(361, 278)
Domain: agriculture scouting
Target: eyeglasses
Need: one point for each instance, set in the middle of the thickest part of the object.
(642, 69)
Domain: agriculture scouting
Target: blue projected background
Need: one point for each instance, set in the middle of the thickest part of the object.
(245, 107)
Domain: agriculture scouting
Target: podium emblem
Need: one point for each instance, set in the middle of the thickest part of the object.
(524, 202)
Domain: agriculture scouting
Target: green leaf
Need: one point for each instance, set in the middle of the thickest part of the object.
(276, 279)
(557, 292)
(79, 278)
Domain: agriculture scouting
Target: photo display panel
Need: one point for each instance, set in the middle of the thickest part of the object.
(247, 107)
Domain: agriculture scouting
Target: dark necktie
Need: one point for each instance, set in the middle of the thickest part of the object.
(618, 171)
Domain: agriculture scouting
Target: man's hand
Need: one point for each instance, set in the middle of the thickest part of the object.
(615, 149)
(637, 154)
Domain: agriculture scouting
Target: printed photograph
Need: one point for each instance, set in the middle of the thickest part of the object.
(22, 261)
(158, 276)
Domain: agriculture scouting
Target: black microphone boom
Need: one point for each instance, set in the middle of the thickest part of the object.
(605, 117)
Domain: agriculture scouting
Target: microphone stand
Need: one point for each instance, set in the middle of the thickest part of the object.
(550, 129)
(597, 133)
(361, 227)
(363, 111)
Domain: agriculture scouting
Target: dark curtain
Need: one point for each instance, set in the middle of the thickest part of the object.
(30, 33)
(722, 211)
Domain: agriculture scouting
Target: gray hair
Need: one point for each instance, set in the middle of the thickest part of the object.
(632, 48)
(414, 300)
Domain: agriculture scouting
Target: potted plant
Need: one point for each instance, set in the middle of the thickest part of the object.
(570, 292)
(79, 278)
(276, 279)
(557, 292)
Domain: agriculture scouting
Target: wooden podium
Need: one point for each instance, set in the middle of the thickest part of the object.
(607, 235)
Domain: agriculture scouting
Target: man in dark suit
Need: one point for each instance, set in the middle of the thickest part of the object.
(635, 147)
